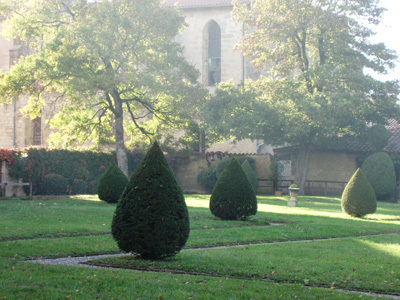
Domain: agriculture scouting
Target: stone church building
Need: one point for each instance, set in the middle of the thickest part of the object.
(209, 40)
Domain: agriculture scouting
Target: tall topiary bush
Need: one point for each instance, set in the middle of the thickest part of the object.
(233, 197)
(251, 175)
(111, 184)
(151, 218)
(358, 197)
(379, 170)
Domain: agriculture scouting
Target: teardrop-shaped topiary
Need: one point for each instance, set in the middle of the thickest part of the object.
(251, 175)
(380, 173)
(111, 184)
(151, 218)
(233, 197)
(358, 197)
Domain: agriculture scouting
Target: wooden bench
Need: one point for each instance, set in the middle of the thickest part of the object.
(11, 184)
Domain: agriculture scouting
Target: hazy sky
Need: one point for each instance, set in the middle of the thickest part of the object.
(389, 31)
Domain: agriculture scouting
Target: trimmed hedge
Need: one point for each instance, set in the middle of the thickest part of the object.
(151, 218)
(55, 184)
(233, 197)
(358, 197)
(82, 169)
(111, 184)
(380, 173)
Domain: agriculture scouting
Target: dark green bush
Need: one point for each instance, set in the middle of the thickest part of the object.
(151, 218)
(358, 197)
(219, 168)
(112, 184)
(380, 173)
(233, 197)
(251, 175)
(54, 184)
(207, 178)
(78, 186)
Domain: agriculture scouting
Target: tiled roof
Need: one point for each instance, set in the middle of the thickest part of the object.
(200, 3)
(345, 144)
(393, 125)
(340, 144)
(394, 143)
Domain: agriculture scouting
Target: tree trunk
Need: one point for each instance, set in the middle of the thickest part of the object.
(302, 158)
(122, 157)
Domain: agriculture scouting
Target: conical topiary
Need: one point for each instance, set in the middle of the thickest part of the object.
(251, 175)
(233, 197)
(151, 218)
(111, 184)
(380, 173)
(358, 197)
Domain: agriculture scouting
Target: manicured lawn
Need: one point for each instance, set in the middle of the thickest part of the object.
(81, 226)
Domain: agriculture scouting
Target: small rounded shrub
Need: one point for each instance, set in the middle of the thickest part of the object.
(380, 173)
(207, 178)
(233, 197)
(111, 184)
(251, 175)
(78, 186)
(54, 184)
(151, 218)
(358, 198)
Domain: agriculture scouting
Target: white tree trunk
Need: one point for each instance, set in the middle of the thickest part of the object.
(302, 158)
(122, 157)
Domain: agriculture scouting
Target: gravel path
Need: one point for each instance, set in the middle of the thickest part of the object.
(78, 262)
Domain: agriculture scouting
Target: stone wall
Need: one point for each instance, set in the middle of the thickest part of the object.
(187, 173)
(329, 167)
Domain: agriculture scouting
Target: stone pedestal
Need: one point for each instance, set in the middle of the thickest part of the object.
(293, 197)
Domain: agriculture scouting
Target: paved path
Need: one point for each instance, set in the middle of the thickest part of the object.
(78, 261)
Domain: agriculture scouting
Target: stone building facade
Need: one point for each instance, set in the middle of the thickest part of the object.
(209, 41)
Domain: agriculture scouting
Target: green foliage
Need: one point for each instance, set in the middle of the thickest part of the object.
(78, 186)
(358, 197)
(378, 137)
(55, 184)
(207, 178)
(313, 58)
(379, 170)
(151, 218)
(111, 184)
(251, 175)
(103, 59)
(233, 197)
(73, 165)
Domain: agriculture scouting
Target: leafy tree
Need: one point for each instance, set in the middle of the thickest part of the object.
(151, 218)
(379, 171)
(105, 60)
(233, 197)
(111, 184)
(314, 54)
(358, 197)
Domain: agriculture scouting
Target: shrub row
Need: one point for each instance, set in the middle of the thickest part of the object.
(54, 171)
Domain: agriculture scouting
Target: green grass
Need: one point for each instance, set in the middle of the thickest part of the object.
(81, 226)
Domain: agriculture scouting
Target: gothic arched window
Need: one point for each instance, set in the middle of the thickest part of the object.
(213, 53)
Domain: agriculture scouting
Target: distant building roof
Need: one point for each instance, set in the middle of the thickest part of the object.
(201, 3)
(351, 145)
